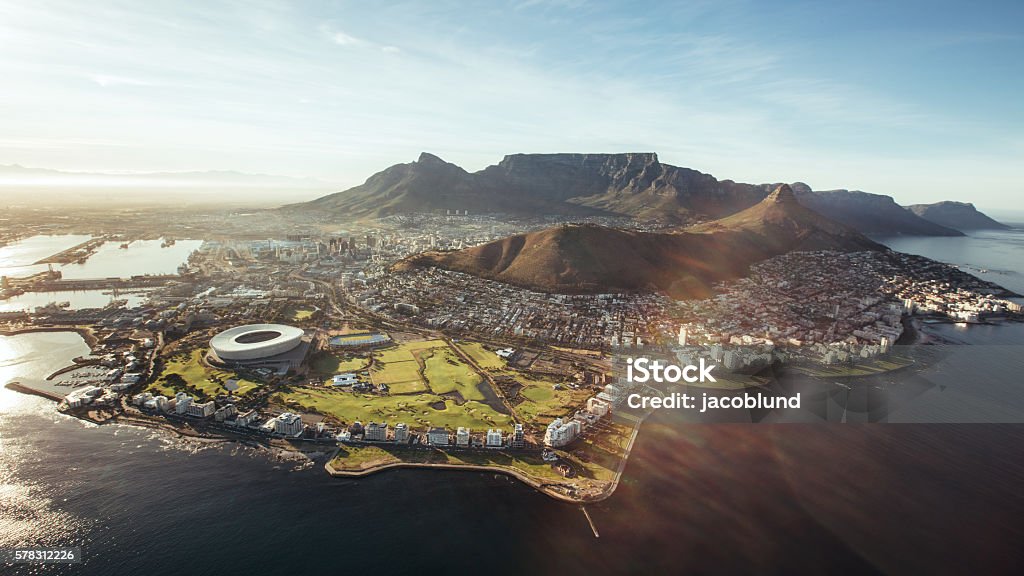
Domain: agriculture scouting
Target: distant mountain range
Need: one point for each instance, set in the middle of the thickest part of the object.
(632, 184)
(596, 259)
(958, 215)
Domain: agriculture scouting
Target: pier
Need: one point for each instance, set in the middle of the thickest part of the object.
(77, 253)
(55, 285)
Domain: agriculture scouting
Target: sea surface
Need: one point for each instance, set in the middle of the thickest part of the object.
(140, 257)
(796, 498)
(19, 258)
(993, 255)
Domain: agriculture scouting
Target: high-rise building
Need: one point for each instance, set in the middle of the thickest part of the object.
(288, 424)
(597, 406)
(682, 335)
(518, 439)
(181, 402)
(494, 438)
(438, 436)
(201, 409)
(401, 433)
(376, 432)
(717, 352)
(462, 436)
(560, 432)
(732, 360)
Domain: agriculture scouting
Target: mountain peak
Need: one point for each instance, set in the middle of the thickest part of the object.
(428, 158)
(782, 194)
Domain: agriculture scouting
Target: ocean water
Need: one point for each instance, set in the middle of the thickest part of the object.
(993, 255)
(18, 258)
(726, 498)
(810, 498)
(140, 257)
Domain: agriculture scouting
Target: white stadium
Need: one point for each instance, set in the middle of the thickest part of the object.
(255, 343)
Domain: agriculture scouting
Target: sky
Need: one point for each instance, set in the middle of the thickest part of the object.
(918, 100)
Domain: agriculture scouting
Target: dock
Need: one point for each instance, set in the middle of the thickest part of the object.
(590, 521)
(77, 253)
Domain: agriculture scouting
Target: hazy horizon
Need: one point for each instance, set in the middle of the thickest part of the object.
(919, 102)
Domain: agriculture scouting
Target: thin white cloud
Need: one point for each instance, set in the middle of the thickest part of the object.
(107, 81)
(343, 39)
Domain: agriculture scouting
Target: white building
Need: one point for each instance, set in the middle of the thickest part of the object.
(376, 432)
(401, 433)
(288, 424)
(83, 396)
(163, 403)
(225, 412)
(246, 418)
(598, 407)
(347, 379)
(494, 438)
(560, 432)
(438, 436)
(462, 436)
(201, 410)
(181, 402)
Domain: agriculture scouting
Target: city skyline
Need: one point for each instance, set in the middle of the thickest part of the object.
(923, 109)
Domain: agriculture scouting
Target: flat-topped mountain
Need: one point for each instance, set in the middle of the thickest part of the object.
(957, 215)
(633, 184)
(684, 264)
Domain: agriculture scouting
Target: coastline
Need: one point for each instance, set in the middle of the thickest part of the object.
(17, 386)
(916, 334)
(185, 431)
(86, 332)
(540, 486)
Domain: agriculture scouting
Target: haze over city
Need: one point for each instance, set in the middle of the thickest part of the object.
(918, 101)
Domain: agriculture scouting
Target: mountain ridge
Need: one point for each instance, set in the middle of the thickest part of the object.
(957, 215)
(588, 258)
(632, 184)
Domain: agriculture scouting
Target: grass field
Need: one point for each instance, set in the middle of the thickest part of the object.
(446, 373)
(542, 402)
(207, 380)
(298, 313)
(604, 451)
(399, 366)
(483, 357)
(360, 458)
(396, 372)
(416, 410)
(405, 352)
(595, 459)
(411, 387)
(328, 364)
